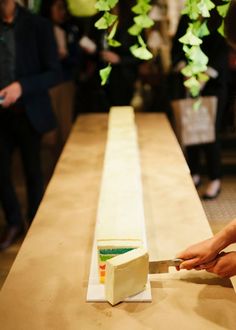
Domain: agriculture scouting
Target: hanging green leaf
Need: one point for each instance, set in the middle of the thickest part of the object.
(190, 39)
(102, 5)
(192, 69)
(143, 21)
(191, 9)
(104, 74)
(113, 43)
(193, 85)
(141, 8)
(135, 30)
(113, 31)
(141, 52)
(203, 77)
(105, 5)
(221, 29)
(200, 29)
(112, 3)
(187, 71)
(106, 21)
(141, 41)
(186, 49)
(205, 6)
(197, 104)
(203, 9)
(197, 56)
(223, 9)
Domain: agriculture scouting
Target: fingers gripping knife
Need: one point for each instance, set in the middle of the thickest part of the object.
(127, 274)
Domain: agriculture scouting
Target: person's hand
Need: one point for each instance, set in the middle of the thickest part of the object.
(224, 265)
(110, 57)
(198, 254)
(11, 94)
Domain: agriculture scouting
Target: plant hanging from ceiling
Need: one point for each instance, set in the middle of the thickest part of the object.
(198, 12)
(109, 21)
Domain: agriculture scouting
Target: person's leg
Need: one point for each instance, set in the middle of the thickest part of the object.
(8, 198)
(29, 143)
(212, 151)
(193, 154)
(213, 162)
(213, 159)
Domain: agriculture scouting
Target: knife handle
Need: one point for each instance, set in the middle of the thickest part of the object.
(176, 262)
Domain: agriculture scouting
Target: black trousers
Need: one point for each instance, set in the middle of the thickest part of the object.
(17, 132)
(212, 154)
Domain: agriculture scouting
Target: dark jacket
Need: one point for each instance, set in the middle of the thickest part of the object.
(37, 67)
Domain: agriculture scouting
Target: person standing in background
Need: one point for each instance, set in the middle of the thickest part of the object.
(28, 67)
(215, 47)
(67, 38)
(120, 87)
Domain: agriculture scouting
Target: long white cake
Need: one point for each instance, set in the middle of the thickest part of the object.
(120, 214)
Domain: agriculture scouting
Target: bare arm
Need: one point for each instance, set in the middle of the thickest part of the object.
(204, 252)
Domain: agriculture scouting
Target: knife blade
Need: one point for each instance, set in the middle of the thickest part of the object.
(162, 266)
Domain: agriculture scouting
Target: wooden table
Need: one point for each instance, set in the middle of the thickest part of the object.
(46, 287)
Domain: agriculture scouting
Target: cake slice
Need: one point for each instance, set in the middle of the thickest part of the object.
(126, 275)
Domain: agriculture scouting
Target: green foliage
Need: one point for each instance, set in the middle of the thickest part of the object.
(140, 50)
(105, 5)
(141, 21)
(198, 11)
(222, 10)
(104, 74)
(190, 38)
(106, 21)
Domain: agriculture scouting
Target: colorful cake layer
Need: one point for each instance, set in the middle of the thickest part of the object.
(120, 215)
(106, 254)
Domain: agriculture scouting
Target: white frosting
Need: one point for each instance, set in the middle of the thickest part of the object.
(120, 210)
(126, 275)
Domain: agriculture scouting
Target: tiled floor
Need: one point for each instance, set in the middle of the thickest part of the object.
(223, 209)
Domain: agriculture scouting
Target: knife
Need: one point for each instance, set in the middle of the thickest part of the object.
(162, 266)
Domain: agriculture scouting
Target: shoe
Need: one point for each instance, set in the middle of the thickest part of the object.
(10, 235)
(196, 180)
(213, 190)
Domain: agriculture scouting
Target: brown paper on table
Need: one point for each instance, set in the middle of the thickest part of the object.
(46, 287)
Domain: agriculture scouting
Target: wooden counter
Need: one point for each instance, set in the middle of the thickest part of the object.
(46, 287)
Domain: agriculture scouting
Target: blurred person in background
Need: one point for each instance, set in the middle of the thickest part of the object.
(215, 47)
(67, 37)
(120, 87)
(28, 67)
